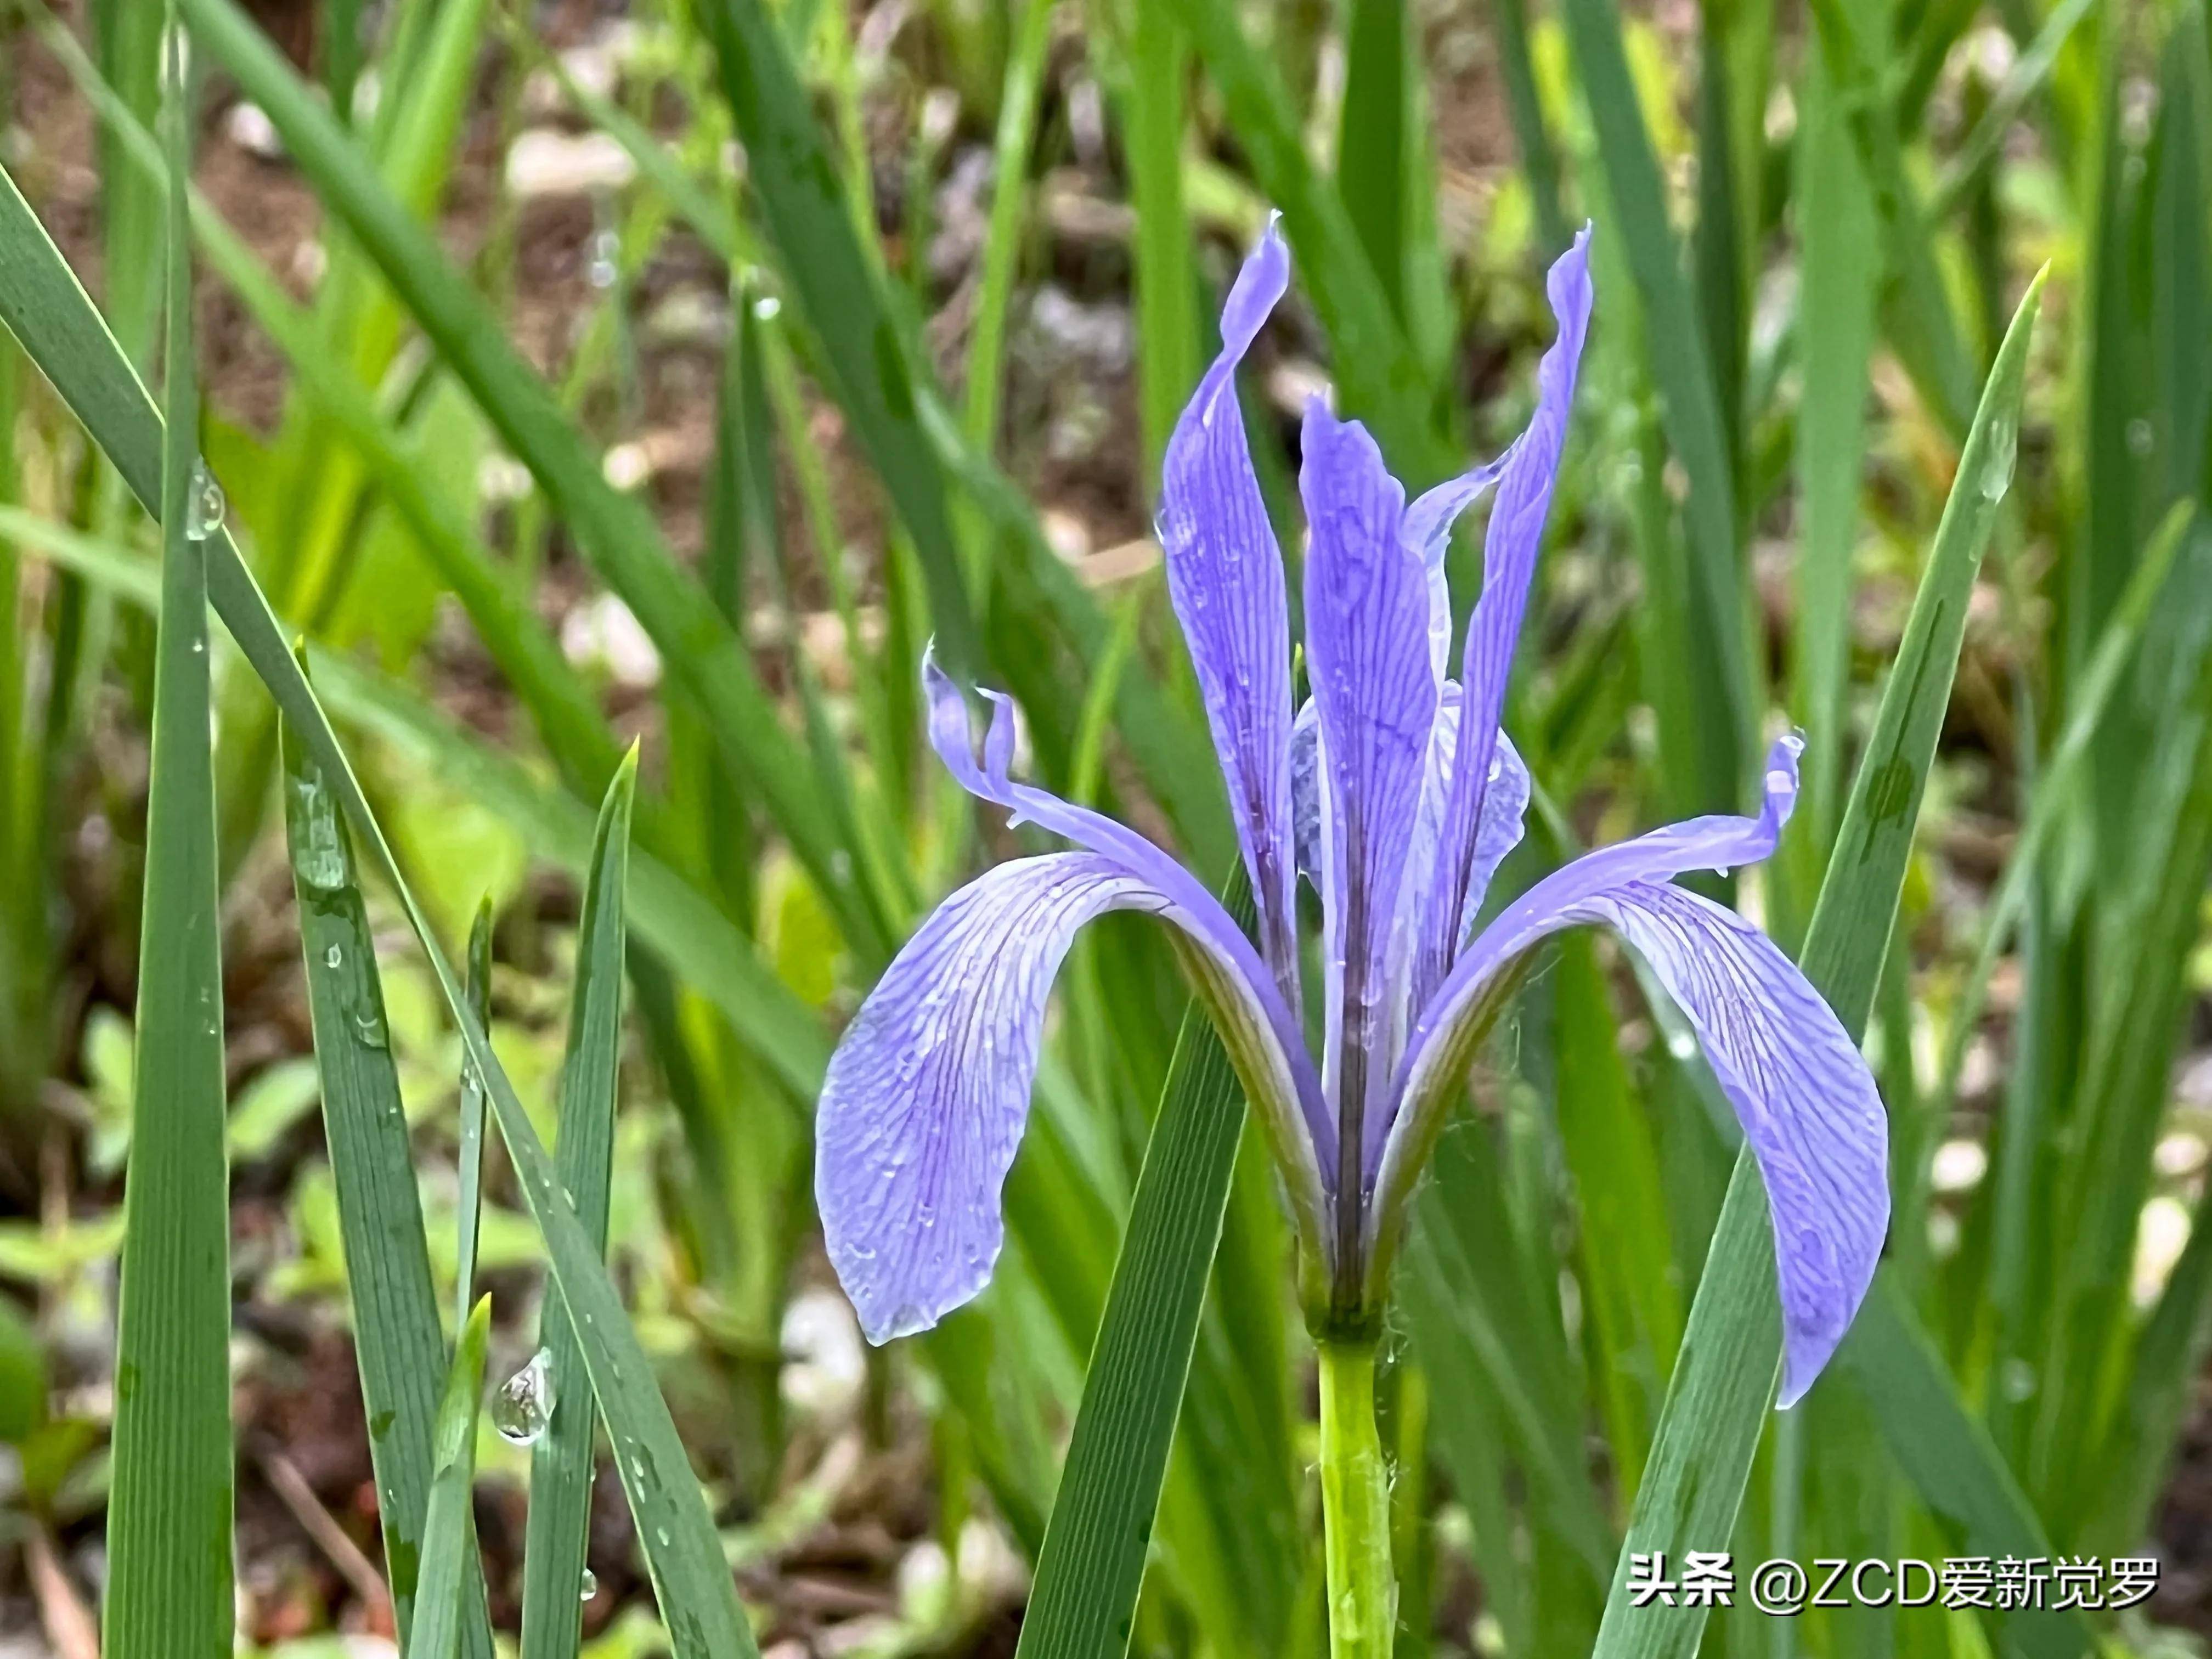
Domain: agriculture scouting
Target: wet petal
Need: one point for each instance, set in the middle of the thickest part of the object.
(1264, 1039)
(1367, 611)
(1225, 578)
(929, 1088)
(1805, 1097)
(1510, 545)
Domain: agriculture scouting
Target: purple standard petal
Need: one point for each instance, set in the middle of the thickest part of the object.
(1367, 618)
(1225, 578)
(928, 1090)
(1510, 545)
(1503, 806)
(1264, 1041)
(1805, 1100)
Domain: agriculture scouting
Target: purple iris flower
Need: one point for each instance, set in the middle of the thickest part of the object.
(1395, 794)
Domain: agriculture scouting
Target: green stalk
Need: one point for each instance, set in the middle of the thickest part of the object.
(1355, 1505)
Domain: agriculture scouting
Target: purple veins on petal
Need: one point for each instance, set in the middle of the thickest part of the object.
(1242, 995)
(929, 1088)
(1798, 1084)
(1800, 1088)
(1367, 620)
(1225, 578)
(1510, 545)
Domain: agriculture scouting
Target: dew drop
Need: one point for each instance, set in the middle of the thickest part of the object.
(2004, 448)
(607, 247)
(524, 1405)
(588, 1586)
(204, 506)
(333, 957)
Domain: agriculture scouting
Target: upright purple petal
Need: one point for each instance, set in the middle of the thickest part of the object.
(1510, 545)
(1804, 1096)
(1225, 578)
(928, 1090)
(1264, 1040)
(1367, 619)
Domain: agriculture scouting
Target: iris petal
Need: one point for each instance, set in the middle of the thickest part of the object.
(1803, 1094)
(929, 1088)
(1264, 1040)
(1225, 577)
(1367, 618)
(1510, 544)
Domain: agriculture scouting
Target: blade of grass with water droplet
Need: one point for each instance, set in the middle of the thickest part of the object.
(448, 1543)
(583, 1154)
(398, 1343)
(170, 1502)
(47, 309)
(1716, 1400)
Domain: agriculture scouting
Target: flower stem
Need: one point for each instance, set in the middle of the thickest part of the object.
(1355, 1502)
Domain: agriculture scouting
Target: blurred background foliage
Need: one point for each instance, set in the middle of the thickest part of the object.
(578, 374)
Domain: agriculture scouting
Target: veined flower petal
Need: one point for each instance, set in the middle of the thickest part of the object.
(1510, 544)
(1263, 1038)
(1367, 618)
(1803, 1094)
(929, 1090)
(1225, 577)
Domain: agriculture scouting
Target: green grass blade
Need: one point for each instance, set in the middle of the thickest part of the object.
(50, 313)
(1540, 161)
(1381, 378)
(1083, 1600)
(468, 1209)
(1716, 1402)
(1841, 264)
(398, 1343)
(169, 1508)
(1018, 113)
(1682, 368)
(448, 1546)
(839, 291)
(1156, 77)
(1371, 136)
(583, 1154)
(615, 532)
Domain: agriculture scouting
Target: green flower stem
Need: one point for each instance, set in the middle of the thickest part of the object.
(1355, 1502)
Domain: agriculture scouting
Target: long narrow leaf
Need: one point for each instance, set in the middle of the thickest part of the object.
(169, 1511)
(1084, 1599)
(398, 1343)
(583, 1155)
(449, 1548)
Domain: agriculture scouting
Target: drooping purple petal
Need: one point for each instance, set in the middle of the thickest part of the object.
(1510, 544)
(929, 1088)
(1367, 618)
(1263, 1038)
(1805, 1097)
(1225, 578)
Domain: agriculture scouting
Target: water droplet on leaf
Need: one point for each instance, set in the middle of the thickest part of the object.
(589, 1586)
(524, 1405)
(204, 506)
